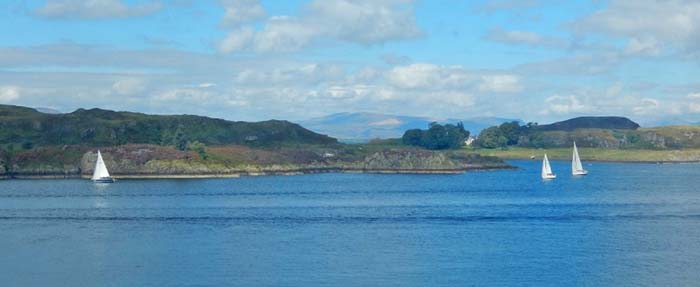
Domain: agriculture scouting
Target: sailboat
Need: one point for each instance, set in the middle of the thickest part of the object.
(576, 167)
(547, 169)
(101, 174)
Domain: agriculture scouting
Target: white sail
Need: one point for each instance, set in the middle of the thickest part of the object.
(576, 166)
(547, 169)
(101, 172)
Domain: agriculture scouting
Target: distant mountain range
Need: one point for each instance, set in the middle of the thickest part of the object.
(365, 126)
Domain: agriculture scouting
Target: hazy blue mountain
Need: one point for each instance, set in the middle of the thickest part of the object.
(671, 121)
(365, 126)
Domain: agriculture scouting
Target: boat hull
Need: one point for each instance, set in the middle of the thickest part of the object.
(580, 172)
(103, 180)
(549, 176)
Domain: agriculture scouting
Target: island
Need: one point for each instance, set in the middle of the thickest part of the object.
(135, 145)
(598, 139)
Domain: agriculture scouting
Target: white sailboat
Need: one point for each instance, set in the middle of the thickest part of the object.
(547, 169)
(101, 174)
(576, 167)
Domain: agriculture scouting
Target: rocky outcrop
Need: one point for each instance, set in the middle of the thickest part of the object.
(3, 167)
(408, 160)
(151, 161)
(148, 161)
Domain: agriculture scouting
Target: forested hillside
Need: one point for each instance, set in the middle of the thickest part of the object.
(597, 132)
(27, 128)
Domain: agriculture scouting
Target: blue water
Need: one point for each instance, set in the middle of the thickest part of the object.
(623, 225)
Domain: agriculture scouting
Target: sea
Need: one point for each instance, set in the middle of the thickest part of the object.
(622, 225)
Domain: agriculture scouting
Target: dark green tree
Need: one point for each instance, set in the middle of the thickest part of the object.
(412, 137)
(511, 131)
(27, 145)
(437, 136)
(180, 139)
(492, 138)
(199, 148)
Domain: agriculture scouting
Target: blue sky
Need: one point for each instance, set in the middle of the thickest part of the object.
(537, 60)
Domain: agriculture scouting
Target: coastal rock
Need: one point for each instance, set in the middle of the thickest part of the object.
(408, 160)
(46, 162)
(152, 161)
(424, 161)
(3, 168)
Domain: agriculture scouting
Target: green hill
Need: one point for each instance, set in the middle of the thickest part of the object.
(593, 132)
(609, 123)
(96, 127)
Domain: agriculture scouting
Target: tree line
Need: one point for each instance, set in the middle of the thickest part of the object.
(437, 136)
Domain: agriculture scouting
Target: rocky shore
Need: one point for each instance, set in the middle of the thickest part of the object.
(151, 161)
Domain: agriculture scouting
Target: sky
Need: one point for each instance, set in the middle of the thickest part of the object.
(535, 60)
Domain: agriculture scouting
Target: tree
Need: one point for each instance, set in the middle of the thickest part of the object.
(437, 136)
(27, 145)
(180, 141)
(492, 138)
(511, 131)
(198, 147)
(412, 137)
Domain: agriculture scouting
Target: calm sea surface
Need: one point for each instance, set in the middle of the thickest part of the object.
(623, 225)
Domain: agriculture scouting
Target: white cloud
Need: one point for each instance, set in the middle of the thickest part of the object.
(206, 85)
(643, 46)
(237, 12)
(390, 122)
(9, 94)
(647, 24)
(258, 87)
(366, 22)
(563, 105)
(694, 103)
(576, 65)
(430, 76)
(95, 9)
(236, 40)
(694, 96)
(457, 99)
(491, 6)
(524, 38)
(646, 106)
(419, 75)
(185, 95)
(394, 59)
(293, 75)
(285, 34)
(360, 22)
(128, 86)
(500, 84)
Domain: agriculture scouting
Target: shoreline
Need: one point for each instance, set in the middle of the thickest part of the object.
(611, 160)
(265, 173)
(599, 155)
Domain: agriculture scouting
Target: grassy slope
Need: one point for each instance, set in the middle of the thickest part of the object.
(598, 154)
(668, 137)
(20, 126)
